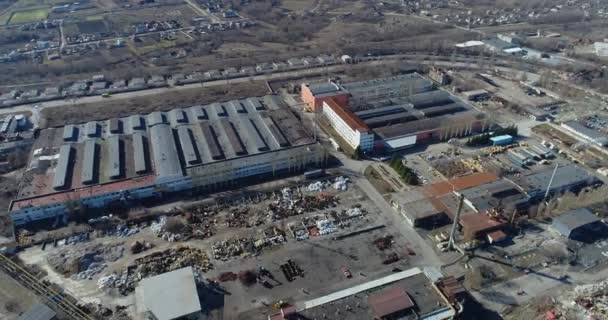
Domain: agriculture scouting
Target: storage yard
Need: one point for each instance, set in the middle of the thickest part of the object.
(265, 229)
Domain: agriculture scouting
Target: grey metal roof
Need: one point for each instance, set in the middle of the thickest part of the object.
(233, 138)
(88, 172)
(255, 103)
(178, 116)
(114, 157)
(401, 85)
(380, 112)
(323, 88)
(594, 135)
(441, 110)
(115, 125)
(237, 106)
(63, 168)
(430, 99)
(199, 112)
(189, 150)
(211, 140)
(275, 132)
(566, 176)
(38, 312)
(252, 134)
(166, 160)
(219, 109)
(171, 295)
(155, 118)
(140, 156)
(390, 119)
(91, 129)
(69, 132)
(136, 123)
(573, 219)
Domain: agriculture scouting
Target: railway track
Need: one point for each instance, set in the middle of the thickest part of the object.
(59, 301)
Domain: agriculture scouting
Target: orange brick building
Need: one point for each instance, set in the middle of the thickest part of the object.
(314, 94)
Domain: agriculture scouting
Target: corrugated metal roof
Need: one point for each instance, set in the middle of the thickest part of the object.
(178, 116)
(573, 219)
(140, 156)
(252, 135)
(114, 156)
(211, 141)
(91, 129)
(171, 295)
(233, 138)
(63, 168)
(136, 123)
(275, 132)
(390, 301)
(199, 112)
(189, 150)
(38, 312)
(69, 132)
(155, 118)
(89, 172)
(166, 160)
(115, 125)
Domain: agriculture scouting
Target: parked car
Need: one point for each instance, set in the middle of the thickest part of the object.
(346, 272)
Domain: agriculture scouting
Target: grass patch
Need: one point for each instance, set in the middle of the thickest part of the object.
(26, 16)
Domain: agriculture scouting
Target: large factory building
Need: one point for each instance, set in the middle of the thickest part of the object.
(125, 160)
(393, 113)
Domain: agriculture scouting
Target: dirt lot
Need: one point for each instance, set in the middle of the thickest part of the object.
(14, 299)
(320, 257)
(79, 113)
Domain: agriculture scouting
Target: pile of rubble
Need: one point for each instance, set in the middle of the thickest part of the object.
(84, 263)
(241, 217)
(339, 183)
(325, 226)
(198, 227)
(292, 202)
(588, 301)
(226, 249)
(154, 264)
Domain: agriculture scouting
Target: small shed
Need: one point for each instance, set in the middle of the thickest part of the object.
(502, 140)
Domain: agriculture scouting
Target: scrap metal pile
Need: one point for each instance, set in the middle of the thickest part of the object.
(84, 263)
(584, 302)
(247, 246)
(197, 228)
(292, 201)
(339, 183)
(242, 217)
(154, 264)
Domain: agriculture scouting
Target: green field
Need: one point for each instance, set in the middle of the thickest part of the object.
(26, 16)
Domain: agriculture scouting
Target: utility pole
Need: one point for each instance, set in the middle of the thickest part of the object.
(550, 182)
(455, 224)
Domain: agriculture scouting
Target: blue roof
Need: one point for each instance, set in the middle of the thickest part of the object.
(502, 138)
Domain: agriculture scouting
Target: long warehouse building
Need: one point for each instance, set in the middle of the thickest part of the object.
(201, 147)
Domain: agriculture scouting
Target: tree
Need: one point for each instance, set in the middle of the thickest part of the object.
(356, 154)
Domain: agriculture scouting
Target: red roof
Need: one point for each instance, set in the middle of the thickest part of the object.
(348, 116)
(479, 222)
(461, 183)
(497, 235)
(390, 301)
(80, 193)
